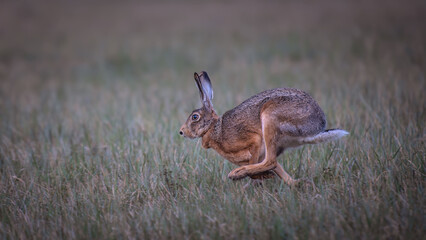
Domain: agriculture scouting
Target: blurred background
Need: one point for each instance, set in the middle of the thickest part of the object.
(72, 49)
(92, 94)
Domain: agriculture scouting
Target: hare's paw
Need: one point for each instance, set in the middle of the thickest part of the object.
(263, 175)
(238, 173)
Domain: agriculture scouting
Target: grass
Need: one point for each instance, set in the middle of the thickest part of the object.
(92, 97)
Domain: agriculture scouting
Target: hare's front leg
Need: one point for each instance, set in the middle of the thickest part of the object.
(270, 137)
(255, 149)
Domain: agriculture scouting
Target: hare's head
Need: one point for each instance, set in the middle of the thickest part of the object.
(200, 120)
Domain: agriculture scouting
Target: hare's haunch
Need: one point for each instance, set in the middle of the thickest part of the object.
(256, 132)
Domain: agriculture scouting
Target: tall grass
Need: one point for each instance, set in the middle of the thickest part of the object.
(92, 97)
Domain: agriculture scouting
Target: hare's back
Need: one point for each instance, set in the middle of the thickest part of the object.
(254, 104)
(291, 107)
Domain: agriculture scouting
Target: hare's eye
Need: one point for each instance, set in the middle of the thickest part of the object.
(195, 117)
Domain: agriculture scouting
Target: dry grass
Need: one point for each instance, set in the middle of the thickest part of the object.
(92, 96)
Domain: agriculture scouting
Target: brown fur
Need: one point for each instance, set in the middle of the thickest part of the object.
(256, 132)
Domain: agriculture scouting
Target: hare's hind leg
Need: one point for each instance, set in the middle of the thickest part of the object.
(279, 170)
(270, 133)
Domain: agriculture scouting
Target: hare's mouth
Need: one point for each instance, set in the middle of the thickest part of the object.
(182, 133)
(190, 137)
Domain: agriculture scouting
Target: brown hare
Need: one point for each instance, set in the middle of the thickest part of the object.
(256, 132)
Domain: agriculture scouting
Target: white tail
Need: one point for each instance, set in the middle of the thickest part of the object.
(327, 135)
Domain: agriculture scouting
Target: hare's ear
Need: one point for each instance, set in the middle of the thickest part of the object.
(205, 88)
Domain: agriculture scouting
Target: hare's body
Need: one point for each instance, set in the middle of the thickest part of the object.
(240, 129)
(255, 132)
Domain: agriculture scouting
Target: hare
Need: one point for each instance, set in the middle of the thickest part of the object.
(256, 132)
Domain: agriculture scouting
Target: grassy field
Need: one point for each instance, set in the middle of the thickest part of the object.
(92, 97)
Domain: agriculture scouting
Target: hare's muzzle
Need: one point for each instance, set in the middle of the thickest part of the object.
(183, 131)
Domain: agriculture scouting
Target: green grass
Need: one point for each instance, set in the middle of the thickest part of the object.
(92, 97)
